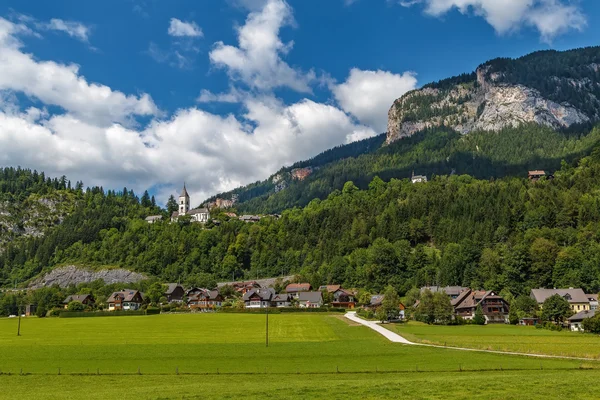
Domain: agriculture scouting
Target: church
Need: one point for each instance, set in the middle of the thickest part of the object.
(198, 214)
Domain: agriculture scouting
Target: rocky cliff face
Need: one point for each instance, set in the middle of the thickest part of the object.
(486, 103)
(73, 275)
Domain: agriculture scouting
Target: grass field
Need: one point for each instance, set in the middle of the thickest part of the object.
(225, 355)
(523, 339)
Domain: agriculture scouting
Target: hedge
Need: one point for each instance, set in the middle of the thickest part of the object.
(77, 314)
(279, 310)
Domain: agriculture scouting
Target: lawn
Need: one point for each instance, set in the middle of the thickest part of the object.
(187, 356)
(523, 339)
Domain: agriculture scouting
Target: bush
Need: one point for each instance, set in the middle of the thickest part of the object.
(592, 325)
(152, 311)
(55, 312)
(41, 311)
(77, 314)
(76, 306)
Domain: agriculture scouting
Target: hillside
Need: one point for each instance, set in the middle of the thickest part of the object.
(506, 117)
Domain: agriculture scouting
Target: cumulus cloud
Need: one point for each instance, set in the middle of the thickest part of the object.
(257, 61)
(549, 17)
(368, 94)
(180, 28)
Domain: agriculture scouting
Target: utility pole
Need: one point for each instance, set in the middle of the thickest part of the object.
(19, 311)
(267, 330)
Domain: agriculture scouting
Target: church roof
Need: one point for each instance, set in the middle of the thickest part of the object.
(184, 192)
(198, 211)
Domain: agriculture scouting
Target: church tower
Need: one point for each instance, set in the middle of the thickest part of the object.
(184, 201)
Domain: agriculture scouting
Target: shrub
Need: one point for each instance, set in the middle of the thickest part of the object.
(592, 325)
(76, 306)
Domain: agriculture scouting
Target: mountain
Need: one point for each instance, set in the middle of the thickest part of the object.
(550, 88)
(506, 117)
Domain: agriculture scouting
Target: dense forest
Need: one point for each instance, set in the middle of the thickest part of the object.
(505, 234)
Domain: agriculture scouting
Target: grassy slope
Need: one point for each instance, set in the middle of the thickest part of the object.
(525, 339)
(304, 354)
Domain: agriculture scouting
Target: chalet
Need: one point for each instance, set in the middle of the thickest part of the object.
(85, 299)
(126, 299)
(495, 308)
(193, 291)
(341, 298)
(153, 218)
(593, 299)
(295, 288)
(452, 291)
(258, 298)
(281, 300)
(576, 321)
(174, 293)
(577, 299)
(310, 299)
(205, 300)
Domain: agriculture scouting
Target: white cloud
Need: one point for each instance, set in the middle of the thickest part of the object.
(369, 94)
(74, 29)
(62, 85)
(180, 28)
(549, 17)
(257, 61)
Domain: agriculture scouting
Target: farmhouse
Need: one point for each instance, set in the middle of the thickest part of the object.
(85, 299)
(577, 299)
(341, 298)
(576, 321)
(174, 293)
(197, 214)
(126, 299)
(295, 288)
(258, 298)
(495, 308)
(205, 300)
(310, 299)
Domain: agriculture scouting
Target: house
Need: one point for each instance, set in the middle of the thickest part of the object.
(281, 300)
(174, 293)
(577, 299)
(418, 178)
(495, 308)
(126, 299)
(377, 301)
(153, 218)
(536, 175)
(341, 298)
(193, 291)
(310, 299)
(241, 287)
(205, 300)
(295, 288)
(452, 291)
(85, 299)
(576, 321)
(201, 215)
(258, 298)
(593, 299)
(250, 218)
(529, 321)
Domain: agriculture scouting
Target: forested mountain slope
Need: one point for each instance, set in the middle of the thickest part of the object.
(507, 234)
(509, 116)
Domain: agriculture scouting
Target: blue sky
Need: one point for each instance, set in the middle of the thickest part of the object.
(149, 93)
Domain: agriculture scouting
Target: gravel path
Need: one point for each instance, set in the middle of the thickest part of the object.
(394, 337)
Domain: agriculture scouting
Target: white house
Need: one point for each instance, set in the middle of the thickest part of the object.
(418, 178)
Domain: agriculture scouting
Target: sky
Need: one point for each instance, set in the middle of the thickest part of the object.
(149, 94)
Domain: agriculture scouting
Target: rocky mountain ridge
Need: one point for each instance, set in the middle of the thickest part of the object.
(74, 275)
(505, 93)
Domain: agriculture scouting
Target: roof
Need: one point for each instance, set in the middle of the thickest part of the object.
(581, 315)
(264, 294)
(281, 297)
(376, 300)
(124, 295)
(311, 297)
(537, 172)
(592, 297)
(449, 290)
(171, 287)
(174, 214)
(198, 211)
(184, 192)
(250, 218)
(76, 297)
(330, 288)
(153, 217)
(571, 295)
(298, 287)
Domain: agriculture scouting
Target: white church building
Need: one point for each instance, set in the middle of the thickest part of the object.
(197, 214)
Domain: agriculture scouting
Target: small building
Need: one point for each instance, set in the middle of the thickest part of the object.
(529, 321)
(536, 175)
(250, 218)
(452, 291)
(295, 288)
(310, 299)
(201, 215)
(205, 300)
(258, 298)
(341, 298)
(577, 299)
(281, 300)
(126, 299)
(495, 308)
(153, 218)
(85, 299)
(418, 178)
(576, 321)
(174, 293)
(593, 299)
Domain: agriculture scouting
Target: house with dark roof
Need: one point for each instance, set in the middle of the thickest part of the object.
(577, 299)
(281, 300)
(342, 298)
(576, 321)
(205, 300)
(85, 299)
(174, 293)
(258, 298)
(126, 299)
(495, 308)
(452, 291)
(310, 299)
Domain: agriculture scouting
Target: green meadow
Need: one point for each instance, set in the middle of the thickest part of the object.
(309, 356)
(522, 339)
